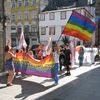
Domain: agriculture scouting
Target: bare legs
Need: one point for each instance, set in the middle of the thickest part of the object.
(11, 76)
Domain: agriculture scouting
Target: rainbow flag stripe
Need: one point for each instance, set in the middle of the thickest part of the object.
(24, 63)
(79, 26)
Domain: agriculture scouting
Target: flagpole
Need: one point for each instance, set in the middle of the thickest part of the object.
(59, 38)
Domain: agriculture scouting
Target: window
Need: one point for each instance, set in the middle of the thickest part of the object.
(13, 5)
(43, 30)
(34, 15)
(26, 16)
(26, 3)
(52, 16)
(33, 2)
(42, 17)
(33, 28)
(13, 17)
(13, 27)
(19, 29)
(62, 28)
(19, 4)
(51, 30)
(34, 42)
(26, 28)
(63, 15)
(13, 43)
(19, 14)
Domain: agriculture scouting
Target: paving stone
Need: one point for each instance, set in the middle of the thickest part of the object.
(83, 84)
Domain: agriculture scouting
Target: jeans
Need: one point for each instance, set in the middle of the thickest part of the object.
(80, 61)
(56, 77)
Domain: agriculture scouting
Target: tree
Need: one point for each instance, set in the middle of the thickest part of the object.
(65, 39)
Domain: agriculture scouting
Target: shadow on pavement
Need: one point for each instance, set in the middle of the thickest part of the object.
(72, 86)
(28, 87)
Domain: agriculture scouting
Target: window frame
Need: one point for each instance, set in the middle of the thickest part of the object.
(13, 17)
(34, 14)
(62, 15)
(19, 27)
(14, 4)
(13, 28)
(51, 31)
(35, 29)
(25, 3)
(44, 17)
(25, 16)
(42, 30)
(53, 16)
(19, 16)
(24, 28)
(33, 3)
(18, 4)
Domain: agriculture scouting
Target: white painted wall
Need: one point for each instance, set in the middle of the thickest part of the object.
(58, 23)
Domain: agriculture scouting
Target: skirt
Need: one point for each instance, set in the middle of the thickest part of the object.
(9, 65)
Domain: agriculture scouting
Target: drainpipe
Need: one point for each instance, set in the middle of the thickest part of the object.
(38, 20)
(4, 34)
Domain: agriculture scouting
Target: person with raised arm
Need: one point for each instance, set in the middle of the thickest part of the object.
(9, 65)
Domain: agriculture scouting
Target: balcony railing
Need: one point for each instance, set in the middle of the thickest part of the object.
(25, 34)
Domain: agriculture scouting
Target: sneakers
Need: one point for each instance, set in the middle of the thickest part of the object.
(55, 84)
(68, 74)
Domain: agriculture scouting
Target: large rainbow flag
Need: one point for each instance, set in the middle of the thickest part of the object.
(79, 26)
(24, 63)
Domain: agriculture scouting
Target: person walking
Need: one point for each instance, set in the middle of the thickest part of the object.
(67, 59)
(56, 59)
(9, 65)
(61, 57)
(81, 54)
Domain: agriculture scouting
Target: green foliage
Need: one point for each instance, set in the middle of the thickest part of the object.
(65, 39)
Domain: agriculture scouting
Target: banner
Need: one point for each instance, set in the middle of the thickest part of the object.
(72, 47)
(24, 63)
(22, 41)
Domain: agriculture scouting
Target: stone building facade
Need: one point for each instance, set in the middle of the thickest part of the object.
(4, 34)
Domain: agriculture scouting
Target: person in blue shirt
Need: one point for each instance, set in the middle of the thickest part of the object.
(81, 56)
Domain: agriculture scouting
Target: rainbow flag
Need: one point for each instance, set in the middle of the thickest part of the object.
(79, 26)
(24, 63)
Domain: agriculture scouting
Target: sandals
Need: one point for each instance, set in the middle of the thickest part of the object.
(10, 84)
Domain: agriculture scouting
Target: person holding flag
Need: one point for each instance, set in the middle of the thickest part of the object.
(55, 50)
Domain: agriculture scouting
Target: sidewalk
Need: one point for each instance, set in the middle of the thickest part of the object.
(83, 84)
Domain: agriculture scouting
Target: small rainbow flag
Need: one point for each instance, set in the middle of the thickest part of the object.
(24, 63)
(79, 26)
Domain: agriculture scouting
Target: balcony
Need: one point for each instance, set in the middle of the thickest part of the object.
(25, 34)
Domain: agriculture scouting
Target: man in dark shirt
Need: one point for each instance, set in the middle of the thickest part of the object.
(67, 59)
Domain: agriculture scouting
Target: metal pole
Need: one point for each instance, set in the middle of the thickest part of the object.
(3, 34)
(38, 20)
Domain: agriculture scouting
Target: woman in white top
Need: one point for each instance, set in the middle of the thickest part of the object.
(56, 59)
